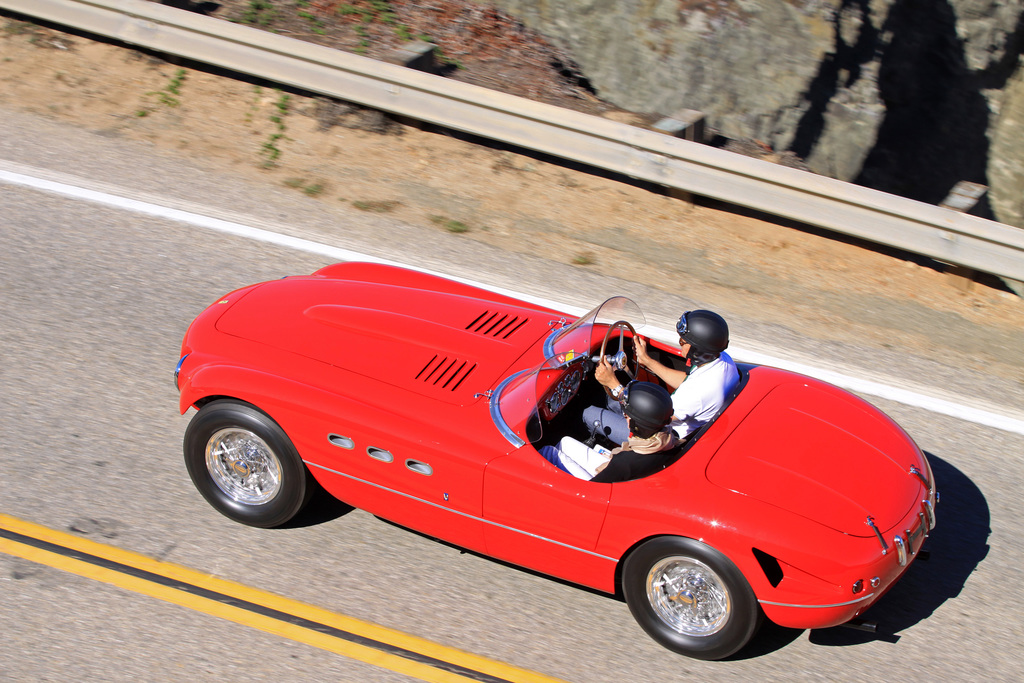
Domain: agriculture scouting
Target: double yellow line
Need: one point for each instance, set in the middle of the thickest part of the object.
(314, 626)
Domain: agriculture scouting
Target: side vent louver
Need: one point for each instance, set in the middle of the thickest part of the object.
(497, 324)
(445, 373)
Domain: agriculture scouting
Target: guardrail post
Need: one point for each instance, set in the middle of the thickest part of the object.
(963, 197)
(685, 123)
(416, 54)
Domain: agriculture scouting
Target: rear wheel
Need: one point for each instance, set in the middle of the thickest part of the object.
(690, 598)
(245, 465)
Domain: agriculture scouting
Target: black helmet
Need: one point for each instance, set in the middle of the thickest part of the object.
(648, 407)
(706, 331)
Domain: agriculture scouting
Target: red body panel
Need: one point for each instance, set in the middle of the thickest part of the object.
(541, 518)
(829, 421)
(383, 380)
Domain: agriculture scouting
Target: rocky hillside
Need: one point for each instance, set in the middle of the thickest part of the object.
(906, 96)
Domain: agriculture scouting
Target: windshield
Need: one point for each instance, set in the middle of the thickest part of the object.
(585, 335)
(514, 403)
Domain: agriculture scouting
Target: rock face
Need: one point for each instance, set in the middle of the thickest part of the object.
(906, 96)
(1006, 165)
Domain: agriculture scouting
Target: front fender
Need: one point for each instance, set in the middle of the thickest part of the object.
(261, 389)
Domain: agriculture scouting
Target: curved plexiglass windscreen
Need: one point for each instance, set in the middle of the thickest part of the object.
(585, 335)
(514, 402)
(514, 408)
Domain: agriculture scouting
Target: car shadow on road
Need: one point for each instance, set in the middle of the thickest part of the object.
(321, 508)
(955, 548)
(957, 545)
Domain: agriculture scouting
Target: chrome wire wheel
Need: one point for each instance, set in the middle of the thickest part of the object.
(688, 596)
(243, 466)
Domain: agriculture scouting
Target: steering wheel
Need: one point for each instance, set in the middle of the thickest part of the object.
(620, 361)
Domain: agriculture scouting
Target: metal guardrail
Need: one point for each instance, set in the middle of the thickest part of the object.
(912, 226)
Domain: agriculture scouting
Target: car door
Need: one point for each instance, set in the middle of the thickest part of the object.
(540, 517)
(403, 469)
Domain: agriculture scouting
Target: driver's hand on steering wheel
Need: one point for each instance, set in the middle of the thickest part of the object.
(640, 348)
(605, 374)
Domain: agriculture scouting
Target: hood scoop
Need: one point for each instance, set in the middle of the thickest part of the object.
(444, 346)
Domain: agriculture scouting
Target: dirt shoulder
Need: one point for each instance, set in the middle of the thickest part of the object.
(780, 280)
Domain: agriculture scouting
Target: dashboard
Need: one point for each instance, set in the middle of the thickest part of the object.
(563, 391)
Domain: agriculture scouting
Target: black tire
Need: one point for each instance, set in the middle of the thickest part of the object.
(690, 598)
(245, 465)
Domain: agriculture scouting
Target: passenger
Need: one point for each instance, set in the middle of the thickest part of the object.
(697, 394)
(647, 412)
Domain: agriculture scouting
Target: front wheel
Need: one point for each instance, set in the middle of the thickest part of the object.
(690, 598)
(245, 465)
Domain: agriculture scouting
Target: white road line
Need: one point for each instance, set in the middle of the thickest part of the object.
(919, 400)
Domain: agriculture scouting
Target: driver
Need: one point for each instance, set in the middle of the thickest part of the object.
(697, 394)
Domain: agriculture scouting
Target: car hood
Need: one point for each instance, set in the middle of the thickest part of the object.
(446, 346)
(822, 454)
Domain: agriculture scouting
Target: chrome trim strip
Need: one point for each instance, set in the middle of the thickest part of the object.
(465, 514)
(496, 417)
(177, 370)
(549, 341)
(838, 604)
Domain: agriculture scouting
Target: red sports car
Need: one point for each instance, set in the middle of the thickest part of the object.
(424, 401)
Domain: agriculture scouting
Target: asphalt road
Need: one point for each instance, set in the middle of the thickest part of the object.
(93, 304)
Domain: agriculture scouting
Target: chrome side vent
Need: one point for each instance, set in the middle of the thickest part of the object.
(497, 324)
(445, 372)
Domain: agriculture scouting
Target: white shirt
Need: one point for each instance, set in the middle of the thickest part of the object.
(702, 394)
